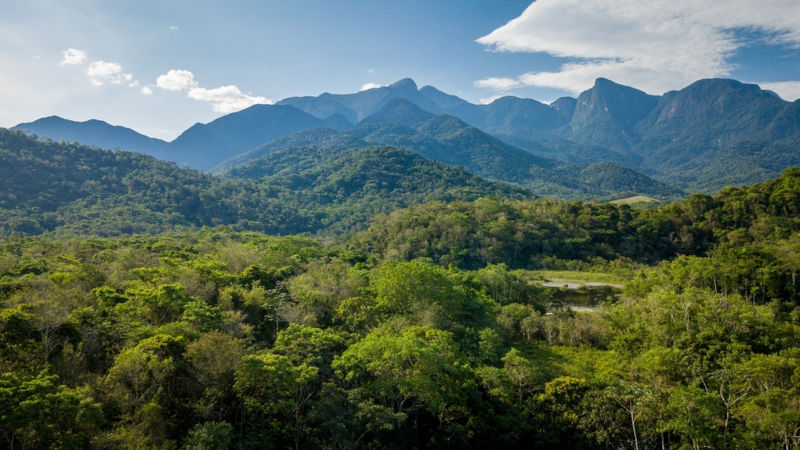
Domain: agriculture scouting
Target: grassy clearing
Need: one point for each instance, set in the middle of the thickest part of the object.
(561, 360)
(577, 276)
(633, 200)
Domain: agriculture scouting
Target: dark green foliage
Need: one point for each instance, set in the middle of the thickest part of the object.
(37, 412)
(321, 138)
(531, 234)
(343, 188)
(220, 339)
(69, 188)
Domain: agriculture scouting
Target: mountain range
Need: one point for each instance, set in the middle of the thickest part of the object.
(611, 139)
(447, 139)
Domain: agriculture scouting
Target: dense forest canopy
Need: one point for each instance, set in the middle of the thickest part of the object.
(431, 329)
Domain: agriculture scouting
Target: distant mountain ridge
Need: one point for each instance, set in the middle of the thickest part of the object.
(680, 137)
(665, 135)
(94, 132)
(204, 145)
(355, 107)
(447, 139)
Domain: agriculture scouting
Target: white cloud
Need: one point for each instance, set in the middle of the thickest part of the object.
(498, 84)
(101, 72)
(368, 86)
(176, 80)
(173, 28)
(73, 56)
(656, 45)
(146, 91)
(788, 90)
(225, 99)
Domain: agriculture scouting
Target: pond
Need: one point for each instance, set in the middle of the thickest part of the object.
(582, 296)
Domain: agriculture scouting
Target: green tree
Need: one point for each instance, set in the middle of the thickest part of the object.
(276, 395)
(36, 412)
(412, 370)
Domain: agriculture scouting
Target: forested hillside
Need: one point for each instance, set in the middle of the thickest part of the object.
(532, 234)
(429, 330)
(47, 186)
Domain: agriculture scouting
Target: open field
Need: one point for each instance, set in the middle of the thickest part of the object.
(633, 200)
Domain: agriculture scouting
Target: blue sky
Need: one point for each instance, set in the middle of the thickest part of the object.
(160, 66)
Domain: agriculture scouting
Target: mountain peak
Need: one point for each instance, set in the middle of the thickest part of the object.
(405, 83)
(600, 81)
(605, 84)
(711, 86)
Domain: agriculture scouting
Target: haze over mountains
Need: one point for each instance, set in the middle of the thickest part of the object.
(611, 139)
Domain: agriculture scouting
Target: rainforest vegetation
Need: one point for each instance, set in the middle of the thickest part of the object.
(431, 329)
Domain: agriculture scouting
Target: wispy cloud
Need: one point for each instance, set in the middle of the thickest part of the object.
(788, 90)
(656, 45)
(73, 56)
(99, 72)
(225, 99)
(498, 84)
(173, 28)
(146, 91)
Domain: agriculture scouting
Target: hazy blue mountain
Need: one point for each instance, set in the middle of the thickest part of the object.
(548, 145)
(447, 139)
(455, 106)
(398, 111)
(710, 116)
(565, 107)
(361, 104)
(460, 144)
(94, 132)
(744, 163)
(689, 131)
(205, 145)
(338, 122)
(322, 106)
(518, 116)
(447, 103)
(606, 114)
(507, 115)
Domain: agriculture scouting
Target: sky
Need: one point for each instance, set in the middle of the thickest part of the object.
(161, 66)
